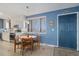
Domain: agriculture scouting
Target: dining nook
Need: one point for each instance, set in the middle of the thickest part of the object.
(24, 42)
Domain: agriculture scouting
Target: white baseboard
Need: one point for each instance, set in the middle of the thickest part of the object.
(43, 44)
(6, 40)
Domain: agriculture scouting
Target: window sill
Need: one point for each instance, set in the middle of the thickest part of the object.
(35, 32)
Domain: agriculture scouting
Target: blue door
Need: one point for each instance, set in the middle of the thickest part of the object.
(67, 29)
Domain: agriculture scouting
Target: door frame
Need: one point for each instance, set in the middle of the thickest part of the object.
(58, 25)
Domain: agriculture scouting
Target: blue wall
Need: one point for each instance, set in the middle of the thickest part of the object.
(51, 36)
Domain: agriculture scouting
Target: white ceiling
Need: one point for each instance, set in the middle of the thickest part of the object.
(34, 8)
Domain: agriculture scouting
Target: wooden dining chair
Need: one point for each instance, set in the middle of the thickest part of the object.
(17, 43)
(27, 43)
(37, 41)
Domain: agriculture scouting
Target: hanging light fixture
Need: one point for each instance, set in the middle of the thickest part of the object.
(27, 7)
(26, 22)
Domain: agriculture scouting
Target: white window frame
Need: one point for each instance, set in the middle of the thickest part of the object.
(38, 18)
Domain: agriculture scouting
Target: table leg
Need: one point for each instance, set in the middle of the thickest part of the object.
(14, 45)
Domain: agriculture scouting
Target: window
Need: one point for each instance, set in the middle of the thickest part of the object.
(1, 23)
(37, 24)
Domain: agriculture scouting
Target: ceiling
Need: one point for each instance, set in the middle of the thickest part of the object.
(34, 8)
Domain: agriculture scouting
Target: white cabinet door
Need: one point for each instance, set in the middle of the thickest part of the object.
(6, 36)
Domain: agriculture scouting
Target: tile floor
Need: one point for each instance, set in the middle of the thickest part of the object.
(6, 49)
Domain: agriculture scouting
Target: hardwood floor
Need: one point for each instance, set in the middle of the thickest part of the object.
(6, 49)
